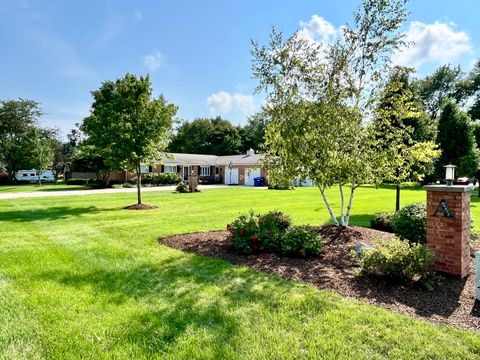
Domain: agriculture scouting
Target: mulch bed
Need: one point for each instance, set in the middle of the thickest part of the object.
(140, 207)
(452, 300)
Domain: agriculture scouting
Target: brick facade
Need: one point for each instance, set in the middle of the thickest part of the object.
(447, 236)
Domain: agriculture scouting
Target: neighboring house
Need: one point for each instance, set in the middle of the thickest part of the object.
(230, 169)
(211, 169)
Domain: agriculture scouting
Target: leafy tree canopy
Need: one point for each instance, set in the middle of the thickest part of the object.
(17, 118)
(215, 136)
(319, 96)
(127, 126)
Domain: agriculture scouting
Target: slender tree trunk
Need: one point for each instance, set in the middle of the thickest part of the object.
(397, 201)
(342, 205)
(350, 204)
(11, 171)
(332, 215)
(139, 184)
(39, 172)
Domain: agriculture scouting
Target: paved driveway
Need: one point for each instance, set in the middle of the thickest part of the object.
(32, 194)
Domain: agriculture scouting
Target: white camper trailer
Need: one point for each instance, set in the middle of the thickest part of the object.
(31, 175)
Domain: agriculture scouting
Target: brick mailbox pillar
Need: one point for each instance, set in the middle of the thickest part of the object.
(448, 227)
(193, 182)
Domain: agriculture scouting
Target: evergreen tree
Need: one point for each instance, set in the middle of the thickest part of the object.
(457, 142)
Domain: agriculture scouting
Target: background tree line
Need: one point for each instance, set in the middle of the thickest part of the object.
(444, 109)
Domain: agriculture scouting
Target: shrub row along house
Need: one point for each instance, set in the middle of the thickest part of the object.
(211, 169)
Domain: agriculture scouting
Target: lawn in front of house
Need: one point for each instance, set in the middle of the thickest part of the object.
(30, 187)
(81, 277)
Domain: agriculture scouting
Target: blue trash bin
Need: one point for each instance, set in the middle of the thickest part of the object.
(259, 181)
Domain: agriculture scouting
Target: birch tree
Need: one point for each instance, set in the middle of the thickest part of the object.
(319, 96)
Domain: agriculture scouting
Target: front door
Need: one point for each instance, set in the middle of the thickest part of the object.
(185, 173)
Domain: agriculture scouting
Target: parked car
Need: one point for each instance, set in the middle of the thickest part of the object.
(31, 175)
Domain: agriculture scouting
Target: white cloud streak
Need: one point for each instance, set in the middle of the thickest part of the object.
(317, 29)
(154, 61)
(223, 102)
(432, 43)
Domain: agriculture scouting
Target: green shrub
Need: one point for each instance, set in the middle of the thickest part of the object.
(243, 231)
(271, 228)
(282, 185)
(159, 179)
(302, 241)
(397, 259)
(382, 221)
(410, 223)
(182, 187)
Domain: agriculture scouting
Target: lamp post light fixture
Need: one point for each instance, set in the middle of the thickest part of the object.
(449, 174)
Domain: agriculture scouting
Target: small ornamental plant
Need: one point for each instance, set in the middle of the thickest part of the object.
(302, 241)
(398, 259)
(243, 231)
(410, 223)
(271, 228)
(273, 232)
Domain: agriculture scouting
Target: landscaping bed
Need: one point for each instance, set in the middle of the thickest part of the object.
(452, 300)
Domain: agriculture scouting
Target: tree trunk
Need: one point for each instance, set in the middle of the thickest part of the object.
(342, 205)
(350, 204)
(139, 184)
(332, 215)
(11, 171)
(397, 201)
(39, 172)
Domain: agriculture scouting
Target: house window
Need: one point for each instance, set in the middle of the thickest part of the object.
(170, 169)
(204, 170)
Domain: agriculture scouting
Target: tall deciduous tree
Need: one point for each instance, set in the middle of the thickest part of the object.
(253, 132)
(442, 85)
(317, 102)
(127, 126)
(457, 142)
(41, 149)
(17, 117)
(405, 157)
(215, 136)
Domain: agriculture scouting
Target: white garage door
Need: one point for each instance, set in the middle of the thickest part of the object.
(231, 176)
(251, 174)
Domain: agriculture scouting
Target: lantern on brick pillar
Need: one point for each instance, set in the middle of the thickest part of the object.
(449, 174)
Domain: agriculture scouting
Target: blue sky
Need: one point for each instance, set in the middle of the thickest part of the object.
(197, 52)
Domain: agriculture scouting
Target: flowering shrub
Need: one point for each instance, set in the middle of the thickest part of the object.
(271, 228)
(272, 232)
(302, 241)
(243, 231)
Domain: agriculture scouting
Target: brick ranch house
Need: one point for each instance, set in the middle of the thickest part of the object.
(211, 169)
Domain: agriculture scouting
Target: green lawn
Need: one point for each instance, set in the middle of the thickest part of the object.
(82, 278)
(44, 187)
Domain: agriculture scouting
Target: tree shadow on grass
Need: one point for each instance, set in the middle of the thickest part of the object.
(185, 295)
(49, 213)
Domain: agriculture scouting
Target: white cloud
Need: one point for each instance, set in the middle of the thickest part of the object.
(317, 29)
(154, 61)
(223, 102)
(432, 43)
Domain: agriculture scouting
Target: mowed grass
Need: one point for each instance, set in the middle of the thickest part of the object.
(30, 187)
(82, 278)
